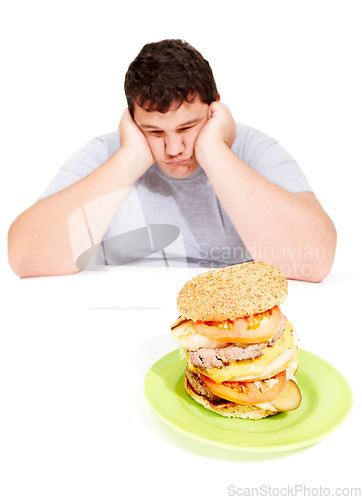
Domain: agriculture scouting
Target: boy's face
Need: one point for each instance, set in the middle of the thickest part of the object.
(172, 135)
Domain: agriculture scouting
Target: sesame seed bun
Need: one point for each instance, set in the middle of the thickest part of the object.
(232, 292)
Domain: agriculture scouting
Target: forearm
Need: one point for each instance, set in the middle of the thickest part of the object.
(47, 238)
(290, 230)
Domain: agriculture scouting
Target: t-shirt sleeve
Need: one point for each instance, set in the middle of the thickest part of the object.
(267, 157)
(79, 165)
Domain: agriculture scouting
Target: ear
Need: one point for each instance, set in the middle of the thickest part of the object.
(218, 97)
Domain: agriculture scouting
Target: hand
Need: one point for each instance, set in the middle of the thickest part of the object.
(133, 139)
(220, 129)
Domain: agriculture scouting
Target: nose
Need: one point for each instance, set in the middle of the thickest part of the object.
(174, 144)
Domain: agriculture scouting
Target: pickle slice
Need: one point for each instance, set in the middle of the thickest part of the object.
(289, 398)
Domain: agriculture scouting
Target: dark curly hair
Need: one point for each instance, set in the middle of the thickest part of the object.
(168, 72)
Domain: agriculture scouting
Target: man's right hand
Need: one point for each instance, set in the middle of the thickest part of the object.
(133, 140)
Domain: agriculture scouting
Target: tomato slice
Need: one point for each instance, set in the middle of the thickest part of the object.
(228, 331)
(267, 330)
(243, 330)
(245, 392)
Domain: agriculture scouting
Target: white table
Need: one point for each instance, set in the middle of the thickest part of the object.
(74, 422)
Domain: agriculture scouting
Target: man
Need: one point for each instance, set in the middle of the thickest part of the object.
(233, 192)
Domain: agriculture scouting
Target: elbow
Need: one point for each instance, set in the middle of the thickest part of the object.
(20, 253)
(26, 267)
(323, 258)
(19, 261)
(21, 265)
(28, 261)
(16, 267)
(315, 259)
(319, 271)
(15, 255)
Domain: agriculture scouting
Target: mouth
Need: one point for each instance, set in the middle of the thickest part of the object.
(178, 162)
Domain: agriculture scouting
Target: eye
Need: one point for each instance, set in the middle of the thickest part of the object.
(156, 133)
(184, 129)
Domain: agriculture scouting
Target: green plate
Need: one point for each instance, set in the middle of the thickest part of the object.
(326, 401)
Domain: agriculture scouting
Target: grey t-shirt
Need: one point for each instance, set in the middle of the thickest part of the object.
(179, 219)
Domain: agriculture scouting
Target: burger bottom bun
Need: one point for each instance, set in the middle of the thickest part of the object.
(234, 410)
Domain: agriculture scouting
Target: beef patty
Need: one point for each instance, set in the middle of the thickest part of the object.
(221, 356)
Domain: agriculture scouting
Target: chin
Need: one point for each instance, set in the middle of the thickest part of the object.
(179, 171)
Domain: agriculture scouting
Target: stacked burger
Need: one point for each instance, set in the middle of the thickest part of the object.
(241, 350)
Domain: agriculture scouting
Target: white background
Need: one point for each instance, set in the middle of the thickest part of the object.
(290, 69)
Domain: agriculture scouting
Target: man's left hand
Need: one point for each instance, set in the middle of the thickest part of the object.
(220, 129)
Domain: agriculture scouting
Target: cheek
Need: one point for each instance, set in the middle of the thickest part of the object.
(155, 145)
(191, 139)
